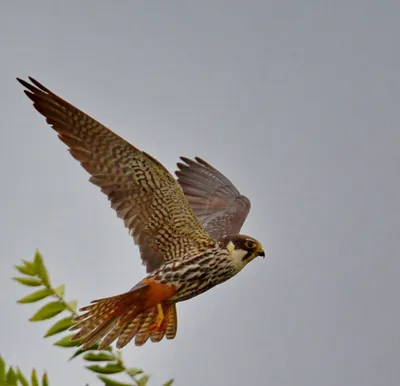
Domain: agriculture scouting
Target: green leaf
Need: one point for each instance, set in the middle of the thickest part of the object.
(45, 379)
(67, 342)
(109, 369)
(21, 378)
(169, 383)
(81, 351)
(34, 379)
(30, 266)
(41, 269)
(29, 281)
(26, 269)
(48, 311)
(2, 371)
(59, 291)
(35, 296)
(102, 356)
(11, 378)
(143, 380)
(73, 304)
(133, 371)
(111, 382)
(61, 325)
(94, 347)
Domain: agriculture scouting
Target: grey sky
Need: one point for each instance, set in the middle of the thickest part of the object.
(297, 102)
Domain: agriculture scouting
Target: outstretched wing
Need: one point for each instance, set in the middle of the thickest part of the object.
(143, 193)
(217, 203)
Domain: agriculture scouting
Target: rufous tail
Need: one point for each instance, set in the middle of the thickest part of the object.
(126, 316)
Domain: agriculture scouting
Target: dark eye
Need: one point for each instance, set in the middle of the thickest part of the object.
(249, 244)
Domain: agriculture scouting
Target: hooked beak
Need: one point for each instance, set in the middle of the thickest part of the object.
(261, 253)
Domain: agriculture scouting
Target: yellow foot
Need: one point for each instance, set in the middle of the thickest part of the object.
(156, 325)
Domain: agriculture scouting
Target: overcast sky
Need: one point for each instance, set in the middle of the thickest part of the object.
(297, 102)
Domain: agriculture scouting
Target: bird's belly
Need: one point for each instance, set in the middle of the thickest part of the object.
(196, 283)
(190, 290)
(195, 275)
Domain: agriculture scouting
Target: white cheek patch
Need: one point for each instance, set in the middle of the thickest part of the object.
(230, 247)
(237, 255)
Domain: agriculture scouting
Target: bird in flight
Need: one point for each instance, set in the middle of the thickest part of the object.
(187, 228)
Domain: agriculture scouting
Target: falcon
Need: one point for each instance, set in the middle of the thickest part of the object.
(187, 228)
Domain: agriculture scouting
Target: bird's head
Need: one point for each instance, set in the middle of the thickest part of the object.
(242, 249)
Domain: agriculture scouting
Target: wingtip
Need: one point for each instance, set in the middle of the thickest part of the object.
(30, 95)
(39, 85)
(181, 166)
(33, 83)
(201, 161)
(196, 160)
(185, 159)
(21, 81)
(186, 163)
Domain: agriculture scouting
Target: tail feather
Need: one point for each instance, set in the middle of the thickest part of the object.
(123, 317)
(143, 333)
(130, 330)
(103, 315)
(172, 327)
(169, 323)
(116, 331)
(157, 336)
(100, 310)
(140, 327)
(98, 333)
